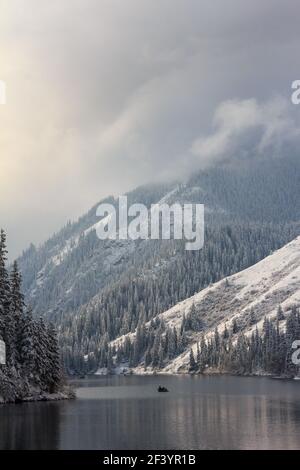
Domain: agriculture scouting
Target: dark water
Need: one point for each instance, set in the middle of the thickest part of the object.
(128, 413)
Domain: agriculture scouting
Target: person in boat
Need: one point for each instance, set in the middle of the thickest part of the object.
(162, 389)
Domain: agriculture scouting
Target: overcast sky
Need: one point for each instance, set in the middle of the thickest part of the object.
(104, 95)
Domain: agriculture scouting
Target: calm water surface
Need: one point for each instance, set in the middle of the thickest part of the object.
(128, 413)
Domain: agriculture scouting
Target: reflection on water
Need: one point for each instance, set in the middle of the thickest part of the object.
(29, 426)
(129, 413)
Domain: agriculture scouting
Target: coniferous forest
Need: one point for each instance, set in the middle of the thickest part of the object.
(134, 299)
(269, 351)
(95, 291)
(32, 368)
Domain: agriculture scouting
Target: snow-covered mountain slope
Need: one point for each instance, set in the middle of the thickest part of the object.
(258, 291)
(73, 265)
(94, 290)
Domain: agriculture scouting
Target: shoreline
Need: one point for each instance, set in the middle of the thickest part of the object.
(66, 393)
(185, 373)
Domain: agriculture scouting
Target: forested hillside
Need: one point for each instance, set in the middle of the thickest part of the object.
(269, 351)
(244, 324)
(173, 275)
(96, 290)
(32, 369)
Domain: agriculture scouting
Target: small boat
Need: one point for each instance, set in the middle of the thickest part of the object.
(162, 389)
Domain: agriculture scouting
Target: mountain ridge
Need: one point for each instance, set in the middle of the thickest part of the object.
(93, 289)
(261, 288)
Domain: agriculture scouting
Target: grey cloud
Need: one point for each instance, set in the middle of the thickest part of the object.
(234, 120)
(109, 94)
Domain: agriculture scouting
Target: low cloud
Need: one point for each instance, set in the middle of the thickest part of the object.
(248, 128)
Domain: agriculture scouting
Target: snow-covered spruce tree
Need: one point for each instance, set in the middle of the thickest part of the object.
(42, 359)
(32, 352)
(193, 364)
(6, 322)
(16, 312)
(26, 346)
(54, 370)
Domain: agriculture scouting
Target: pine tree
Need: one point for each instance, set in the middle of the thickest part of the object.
(155, 351)
(6, 319)
(27, 351)
(252, 318)
(160, 357)
(280, 314)
(16, 311)
(235, 326)
(42, 363)
(147, 358)
(193, 365)
(198, 354)
(54, 372)
(110, 362)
